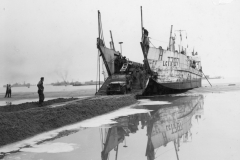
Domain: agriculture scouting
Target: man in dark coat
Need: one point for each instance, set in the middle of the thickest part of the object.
(40, 91)
(6, 91)
(9, 91)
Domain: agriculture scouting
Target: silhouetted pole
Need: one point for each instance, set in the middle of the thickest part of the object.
(170, 38)
(141, 22)
(125, 145)
(112, 40)
(174, 142)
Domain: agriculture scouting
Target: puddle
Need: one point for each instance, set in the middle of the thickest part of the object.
(98, 121)
(149, 102)
(193, 127)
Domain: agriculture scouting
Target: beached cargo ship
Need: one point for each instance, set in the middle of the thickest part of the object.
(170, 70)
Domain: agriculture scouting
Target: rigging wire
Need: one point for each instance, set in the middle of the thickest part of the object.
(97, 71)
(158, 40)
(152, 44)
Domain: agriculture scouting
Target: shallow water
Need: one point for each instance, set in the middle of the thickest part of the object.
(83, 89)
(49, 88)
(193, 127)
(222, 81)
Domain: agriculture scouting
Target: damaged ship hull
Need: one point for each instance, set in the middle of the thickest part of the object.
(155, 88)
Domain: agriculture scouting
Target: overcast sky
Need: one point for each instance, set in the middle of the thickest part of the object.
(57, 38)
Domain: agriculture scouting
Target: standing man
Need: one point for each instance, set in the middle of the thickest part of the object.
(9, 91)
(6, 91)
(40, 91)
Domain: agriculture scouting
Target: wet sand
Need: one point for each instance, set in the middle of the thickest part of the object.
(61, 94)
(19, 122)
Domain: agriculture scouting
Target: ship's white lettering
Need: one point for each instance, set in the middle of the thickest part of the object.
(176, 127)
(173, 128)
(171, 62)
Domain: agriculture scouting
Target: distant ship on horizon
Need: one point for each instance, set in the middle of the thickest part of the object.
(19, 85)
(63, 83)
(215, 77)
(92, 82)
(66, 83)
(77, 83)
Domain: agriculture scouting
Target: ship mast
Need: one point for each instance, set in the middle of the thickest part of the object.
(180, 31)
(170, 38)
(101, 42)
(99, 34)
(112, 40)
(144, 47)
(141, 22)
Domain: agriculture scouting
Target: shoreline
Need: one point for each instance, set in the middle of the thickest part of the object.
(21, 121)
(29, 96)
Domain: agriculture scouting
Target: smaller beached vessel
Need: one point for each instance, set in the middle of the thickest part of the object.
(116, 67)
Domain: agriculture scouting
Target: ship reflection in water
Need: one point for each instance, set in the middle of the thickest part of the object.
(170, 123)
(155, 134)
